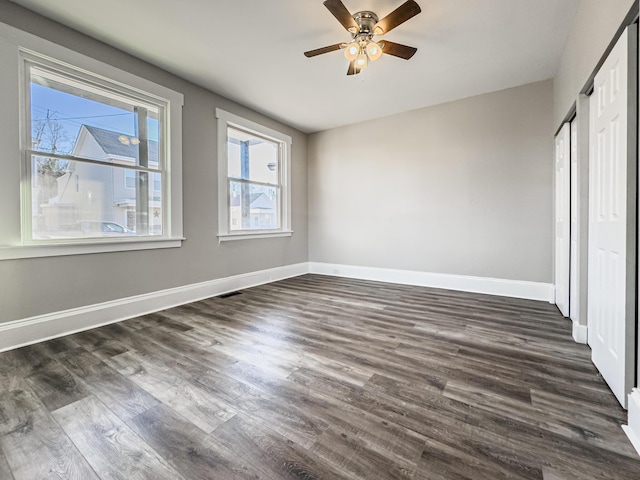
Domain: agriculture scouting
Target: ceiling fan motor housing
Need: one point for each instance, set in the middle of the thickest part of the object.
(366, 21)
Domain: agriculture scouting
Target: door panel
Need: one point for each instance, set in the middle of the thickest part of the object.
(574, 270)
(562, 170)
(611, 284)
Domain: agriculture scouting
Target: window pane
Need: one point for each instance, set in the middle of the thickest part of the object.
(129, 179)
(253, 207)
(70, 117)
(252, 158)
(74, 199)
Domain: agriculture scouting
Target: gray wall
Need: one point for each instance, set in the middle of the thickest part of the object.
(593, 28)
(41, 285)
(461, 188)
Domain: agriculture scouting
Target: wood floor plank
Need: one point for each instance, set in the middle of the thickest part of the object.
(123, 397)
(442, 461)
(594, 430)
(188, 449)
(202, 409)
(58, 345)
(23, 361)
(267, 450)
(5, 471)
(109, 445)
(353, 455)
(34, 445)
(599, 404)
(55, 386)
(283, 416)
(109, 349)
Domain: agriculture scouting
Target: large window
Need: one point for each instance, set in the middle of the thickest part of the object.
(100, 154)
(84, 138)
(254, 196)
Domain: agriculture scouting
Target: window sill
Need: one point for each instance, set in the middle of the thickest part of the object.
(98, 246)
(226, 237)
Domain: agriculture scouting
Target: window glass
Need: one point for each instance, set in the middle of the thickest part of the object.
(69, 117)
(72, 199)
(254, 181)
(252, 158)
(83, 137)
(253, 207)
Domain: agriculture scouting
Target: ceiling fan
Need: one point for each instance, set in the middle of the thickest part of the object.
(363, 26)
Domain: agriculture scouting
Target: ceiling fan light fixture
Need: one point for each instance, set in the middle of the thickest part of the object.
(362, 61)
(352, 51)
(374, 51)
(363, 26)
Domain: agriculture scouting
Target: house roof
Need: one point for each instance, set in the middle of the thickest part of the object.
(256, 200)
(110, 143)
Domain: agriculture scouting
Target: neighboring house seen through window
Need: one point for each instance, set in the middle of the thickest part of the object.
(254, 185)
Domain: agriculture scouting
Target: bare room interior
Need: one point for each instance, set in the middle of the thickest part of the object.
(341, 239)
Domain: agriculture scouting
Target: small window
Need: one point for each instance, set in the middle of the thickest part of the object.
(254, 179)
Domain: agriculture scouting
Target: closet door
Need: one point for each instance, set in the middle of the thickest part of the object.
(574, 264)
(561, 280)
(612, 217)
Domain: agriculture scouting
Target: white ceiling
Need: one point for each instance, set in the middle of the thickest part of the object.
(251, 51)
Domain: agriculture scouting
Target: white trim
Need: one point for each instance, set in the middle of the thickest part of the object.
(579, 332)
(238, 121)
(463, 283)
(633, 428)
(27, 331)
(247, 236)
(97, 246)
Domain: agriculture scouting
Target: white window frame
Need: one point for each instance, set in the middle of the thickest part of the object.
(16, 48)
(225, 120)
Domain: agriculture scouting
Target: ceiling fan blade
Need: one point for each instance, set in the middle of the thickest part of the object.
(397, 49)
(400, 15)
(353, 70)
(337, 8)
(320, 51)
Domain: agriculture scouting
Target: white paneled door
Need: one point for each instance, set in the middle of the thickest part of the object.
(562, 219)
(612, 186)
(574, 270)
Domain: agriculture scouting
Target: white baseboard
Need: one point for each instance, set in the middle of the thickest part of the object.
(633, 428)
(31, 330)
(490, 286)
(579, 332)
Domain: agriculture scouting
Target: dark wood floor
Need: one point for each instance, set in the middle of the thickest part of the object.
(316, 377)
